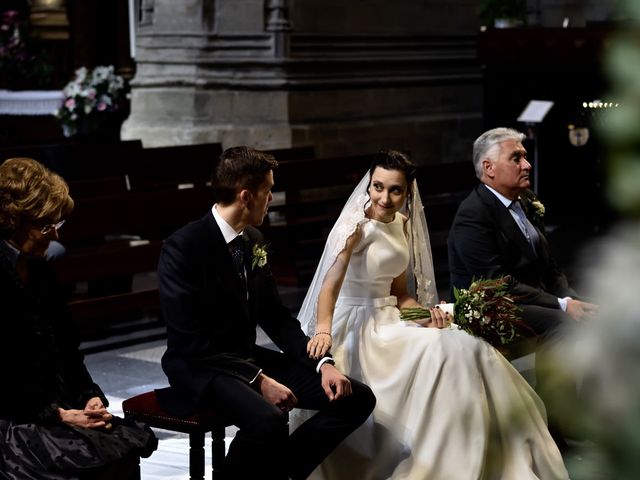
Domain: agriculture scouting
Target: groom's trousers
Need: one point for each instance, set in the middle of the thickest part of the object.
(262, 447)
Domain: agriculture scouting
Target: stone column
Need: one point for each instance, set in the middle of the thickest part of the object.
(346, 77)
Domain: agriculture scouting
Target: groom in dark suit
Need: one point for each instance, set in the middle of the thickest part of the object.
(215, 287)
(498, 230)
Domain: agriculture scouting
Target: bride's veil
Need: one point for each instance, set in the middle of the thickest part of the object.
(420, 276)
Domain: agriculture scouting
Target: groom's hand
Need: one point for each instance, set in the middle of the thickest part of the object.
(334, 383)
(276, 393)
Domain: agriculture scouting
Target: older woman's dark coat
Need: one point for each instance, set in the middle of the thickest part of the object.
(42, 369)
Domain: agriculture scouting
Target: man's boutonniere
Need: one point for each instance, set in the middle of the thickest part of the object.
(538, 207)
(259, 258)
(532, 205)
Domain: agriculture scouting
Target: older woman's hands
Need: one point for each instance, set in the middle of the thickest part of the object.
(94, 415)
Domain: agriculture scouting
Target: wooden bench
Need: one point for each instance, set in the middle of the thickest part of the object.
(182, 166)
(113, 245)
(292, 153)
(443, 187)
(145, 407)
(76, 160)
(126, 162)
(98, 187)
(103, 298)
(308, 197)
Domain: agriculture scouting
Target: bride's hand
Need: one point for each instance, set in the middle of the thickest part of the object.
(319, 345)
(439, 319)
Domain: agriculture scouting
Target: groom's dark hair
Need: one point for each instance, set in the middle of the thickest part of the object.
(240, 168)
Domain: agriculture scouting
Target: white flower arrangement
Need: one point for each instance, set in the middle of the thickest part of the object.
(91, 93)
(259, 258)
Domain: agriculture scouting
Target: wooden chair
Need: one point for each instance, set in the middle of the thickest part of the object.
(145, 407)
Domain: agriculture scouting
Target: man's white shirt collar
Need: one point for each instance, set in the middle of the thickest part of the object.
(505, 201)
(227, 230)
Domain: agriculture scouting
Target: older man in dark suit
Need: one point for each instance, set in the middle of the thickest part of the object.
(498, 230)
(215, 288)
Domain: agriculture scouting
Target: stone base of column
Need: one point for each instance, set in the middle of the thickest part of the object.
(428, 121)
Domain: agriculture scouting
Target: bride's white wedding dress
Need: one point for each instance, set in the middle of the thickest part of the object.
(449, 406)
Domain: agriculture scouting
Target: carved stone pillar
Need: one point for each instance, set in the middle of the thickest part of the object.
(339, 75)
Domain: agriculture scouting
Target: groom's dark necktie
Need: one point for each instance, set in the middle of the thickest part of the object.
(236, 247)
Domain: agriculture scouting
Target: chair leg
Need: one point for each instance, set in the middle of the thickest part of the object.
(217, 451)
(196, 456)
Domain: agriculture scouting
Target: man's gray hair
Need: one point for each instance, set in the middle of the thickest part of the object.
(490, 139)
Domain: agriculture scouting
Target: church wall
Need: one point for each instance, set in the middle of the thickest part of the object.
(405, 17)
(346, 77)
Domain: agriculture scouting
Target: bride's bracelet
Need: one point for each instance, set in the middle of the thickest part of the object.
(322, 333)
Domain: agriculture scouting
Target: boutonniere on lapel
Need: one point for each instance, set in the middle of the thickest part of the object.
(259, 256)
(534, 206)
(538, 207)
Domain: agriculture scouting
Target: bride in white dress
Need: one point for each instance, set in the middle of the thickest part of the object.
(449, 406)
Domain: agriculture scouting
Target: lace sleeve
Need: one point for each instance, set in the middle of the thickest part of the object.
(351, 216)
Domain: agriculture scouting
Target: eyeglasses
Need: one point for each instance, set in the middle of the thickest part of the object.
(47, 229)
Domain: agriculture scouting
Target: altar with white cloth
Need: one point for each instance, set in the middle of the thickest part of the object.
(27, 115)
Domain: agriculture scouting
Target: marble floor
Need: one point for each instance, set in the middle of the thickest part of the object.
(128, 371)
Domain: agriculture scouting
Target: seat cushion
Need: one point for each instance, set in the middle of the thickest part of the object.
(145, 407)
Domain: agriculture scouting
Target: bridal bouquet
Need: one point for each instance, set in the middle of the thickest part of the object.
(484, 310)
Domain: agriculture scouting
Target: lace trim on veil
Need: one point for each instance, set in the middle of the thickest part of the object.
(420, 276)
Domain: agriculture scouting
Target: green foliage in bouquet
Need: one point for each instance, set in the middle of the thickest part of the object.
(484, 310)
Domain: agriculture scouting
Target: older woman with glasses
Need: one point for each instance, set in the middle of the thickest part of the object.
(54, 422)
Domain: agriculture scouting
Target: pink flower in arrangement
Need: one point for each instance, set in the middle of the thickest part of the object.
(97, 90)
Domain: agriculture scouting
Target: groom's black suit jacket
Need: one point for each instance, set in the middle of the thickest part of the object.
(211, 326)
(485, 241)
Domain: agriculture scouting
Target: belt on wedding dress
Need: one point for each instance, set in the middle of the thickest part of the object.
(390, 301)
